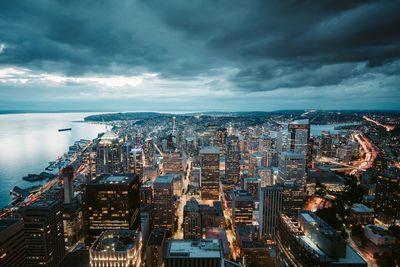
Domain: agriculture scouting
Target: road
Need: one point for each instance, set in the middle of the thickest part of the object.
(387, 127)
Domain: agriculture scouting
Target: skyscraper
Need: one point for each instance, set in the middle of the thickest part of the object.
(68, 176)
(12, 243)
(387, 196)
(210, 173)
(220, 137)
(326, 144)
(110, 158)
(255, 161)
(136, 162)
(242, 207)
(111, 202)
(292, 168)
(192, 220)
(155, 248)
(44, 235)
(299, 138)
(163, 211)
(270, 207)
(232, 159)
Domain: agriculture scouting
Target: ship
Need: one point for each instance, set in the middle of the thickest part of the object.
(64, 129)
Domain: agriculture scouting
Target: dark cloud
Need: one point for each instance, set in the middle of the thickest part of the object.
(270, 44)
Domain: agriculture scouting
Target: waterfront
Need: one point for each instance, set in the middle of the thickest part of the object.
(29, 141)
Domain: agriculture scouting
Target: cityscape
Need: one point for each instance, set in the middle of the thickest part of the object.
(148, 133)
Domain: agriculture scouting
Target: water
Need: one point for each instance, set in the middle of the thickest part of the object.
(29, 141)
(316, 129)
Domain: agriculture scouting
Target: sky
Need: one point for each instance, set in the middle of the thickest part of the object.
(198, 55)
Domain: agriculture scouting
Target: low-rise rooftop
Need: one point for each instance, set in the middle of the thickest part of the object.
(204, 248)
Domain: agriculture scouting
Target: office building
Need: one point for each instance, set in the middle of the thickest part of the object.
(361, 214)
(12, 243)
(173, 162)
(163, 203)
(242, 207)
(310, 241)
(292, 168)
(117, 248)
(255, 161)
(136, 162)
(266, 175)
(270, 207)
(232, 159)
(253, 186)
(192, 220)
(68, 180)
(44, 235)
(293, 197)
(326, 144)
(210, 173)
(111, 202)
(299, 138)
(220, 138)
(155, 248)
(204, 252)
(271, 158)
(110, 154)
(387, 196)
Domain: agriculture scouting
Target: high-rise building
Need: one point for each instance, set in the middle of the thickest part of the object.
(110, 154)
(155, 248)
(210, 173)
(266, 175)
(220, 138)
(299, 140)
(387, 196)
(293, 196)
(148, 151)
(192, 220)
(117, 248)
(173, 162)
(232, 159)
(255, 161)
(292, 168)
(242, 207)
(270, 207)
(271, 158)
(44, 235)
(326, 144)
(136, 162)
(111, 202)
(68, 176)
(163, 203)
(253, 186)
(12, 243)
(204, 252)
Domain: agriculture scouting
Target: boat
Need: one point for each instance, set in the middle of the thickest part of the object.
(64, 129)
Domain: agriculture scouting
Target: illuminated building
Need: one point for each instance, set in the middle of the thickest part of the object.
(44, 235)
(149, 151)
(220, 138)
(146, 195)
(192, 220)
(310, 241)
(253, 186)
(255, 161)
(292, 168)
(270, 207)
(68, 177)
(111, 202)
(361, 214)
(387, 196)
(110, 154)
(232, 159)
(117, 248)
(293, 196)
(210, 173)
(12, 243)
(242, 207)
(299, 138)
(204, 252)
(266, 175)
(271, 158)
(136, 162)
(163, 203)
(326, 144)
(155, 248)
(219, 233)
(173, 162)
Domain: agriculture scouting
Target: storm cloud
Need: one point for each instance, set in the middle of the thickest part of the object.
(236, 55)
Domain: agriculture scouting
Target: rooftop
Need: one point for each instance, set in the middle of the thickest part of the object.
(163, 179)
(156, 238)
(204, 248)
(116, 240)
(116, 179)
(209, 150)
(361, 208)
(42, 203)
